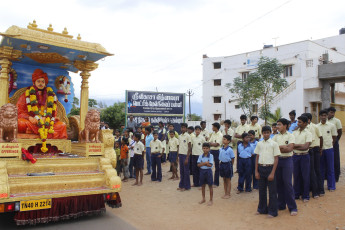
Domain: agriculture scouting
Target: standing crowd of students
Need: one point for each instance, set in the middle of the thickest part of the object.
(291, 158)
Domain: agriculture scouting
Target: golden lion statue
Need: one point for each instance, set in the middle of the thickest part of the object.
(8, 123)
(92, 127)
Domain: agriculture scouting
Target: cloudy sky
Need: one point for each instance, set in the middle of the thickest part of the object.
(158, 44)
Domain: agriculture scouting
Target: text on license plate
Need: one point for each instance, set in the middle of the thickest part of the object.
(35, 204)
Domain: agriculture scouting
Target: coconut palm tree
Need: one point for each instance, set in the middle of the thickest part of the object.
(274, 117)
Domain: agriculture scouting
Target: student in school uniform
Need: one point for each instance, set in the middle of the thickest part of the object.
(216, 141)
(246, 151)
(226, 158)
(242, 128)
(157, 150)
(274, 130)
(205, 162)
(171, 127)
(197, 142)
(293, 121)
(148, 139)
(184, 151)
(139, 153)
(314, 153)
(131, 161)
(173, 147)
(162, 137)
(265, 167)
(228, 131)
(286, 141)
(255, 127)
(190, 131)
(301, 159)
(142, 136)
(329, 136)
(204, 131)
(253, 141)
(336, 122)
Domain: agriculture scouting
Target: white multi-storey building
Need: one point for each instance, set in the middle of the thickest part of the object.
(301, 61)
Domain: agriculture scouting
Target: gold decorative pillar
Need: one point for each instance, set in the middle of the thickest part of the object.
(85, 67)
(6, 54)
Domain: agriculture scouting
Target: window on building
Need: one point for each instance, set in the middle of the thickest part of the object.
(217, 116)
(288, 71)
(244, 75)
(255, 108)
(217, 82)
(237, 106)
(217, 99)
(309, 63)
(217, 65)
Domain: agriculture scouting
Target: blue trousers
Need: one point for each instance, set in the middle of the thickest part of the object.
(131, 166)
(148, 159)
(327, 162)
(156, 167)
(264, 183)
(215, 154)
(164, 158)
(184, 172)
(255, 181)
(301, 176)
(336, 160)
(196, 171)
(315, 176)
(286, 194)
(244, 174)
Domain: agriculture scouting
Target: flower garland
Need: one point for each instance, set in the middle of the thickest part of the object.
(64, 87)
(45, 115)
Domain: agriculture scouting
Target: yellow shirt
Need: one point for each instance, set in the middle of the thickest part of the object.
(205, 134)
(216, 138)
(197, 142)
(256, 128)
(316, 134)
(173, 144)
(242, 129)
(266, 151)
(335, 121)
(139, 148)
(156, 146)
(328, 130)
(142, 137)
(302, 137)
(231, 133)
(183, 140)
(284, 139)
(176, 135)
(192, 135)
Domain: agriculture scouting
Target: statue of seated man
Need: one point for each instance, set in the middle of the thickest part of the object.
(37, 110)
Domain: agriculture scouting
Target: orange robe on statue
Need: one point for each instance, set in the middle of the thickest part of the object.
(25, 126)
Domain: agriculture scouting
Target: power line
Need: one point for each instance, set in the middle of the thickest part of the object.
(189, 94)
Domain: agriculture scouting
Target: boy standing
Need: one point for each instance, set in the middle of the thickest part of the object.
(204, 131)
(197, 142)
(265, 167)
(216, 141)
(329, 135)
(336, 122)
(286, 141)
(226, 158)
(228, 130)
(301, 159)
(131, 161)
(139, 153)
(244, 164)
(148, 139)
(255, 127)
(274, 130)
(242, 128)
(184, 151)
(253, 143)
(162, 138)
(173, 147)
(205, 162)
(293, 121)
(157, 151)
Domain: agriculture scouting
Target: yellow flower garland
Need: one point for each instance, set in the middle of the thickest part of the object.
(44, 115)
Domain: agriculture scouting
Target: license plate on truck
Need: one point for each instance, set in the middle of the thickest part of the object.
(35, 204)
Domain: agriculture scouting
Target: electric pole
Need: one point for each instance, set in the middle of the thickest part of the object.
(189, 94)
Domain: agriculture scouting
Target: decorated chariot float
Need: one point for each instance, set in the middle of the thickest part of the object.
(52, 167)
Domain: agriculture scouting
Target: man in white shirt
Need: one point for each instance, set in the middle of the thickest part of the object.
(216, 141)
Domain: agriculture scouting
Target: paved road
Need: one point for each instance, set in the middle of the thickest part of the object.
(106, 221)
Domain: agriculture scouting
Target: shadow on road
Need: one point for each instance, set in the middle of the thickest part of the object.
(104, 222)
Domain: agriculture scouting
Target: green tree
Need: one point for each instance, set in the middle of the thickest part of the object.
(269, 82)
(74, 111)
(245, 92)
(114, 115)
(274, 117)
(194, 117)
(75, 103)
(92, 103)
